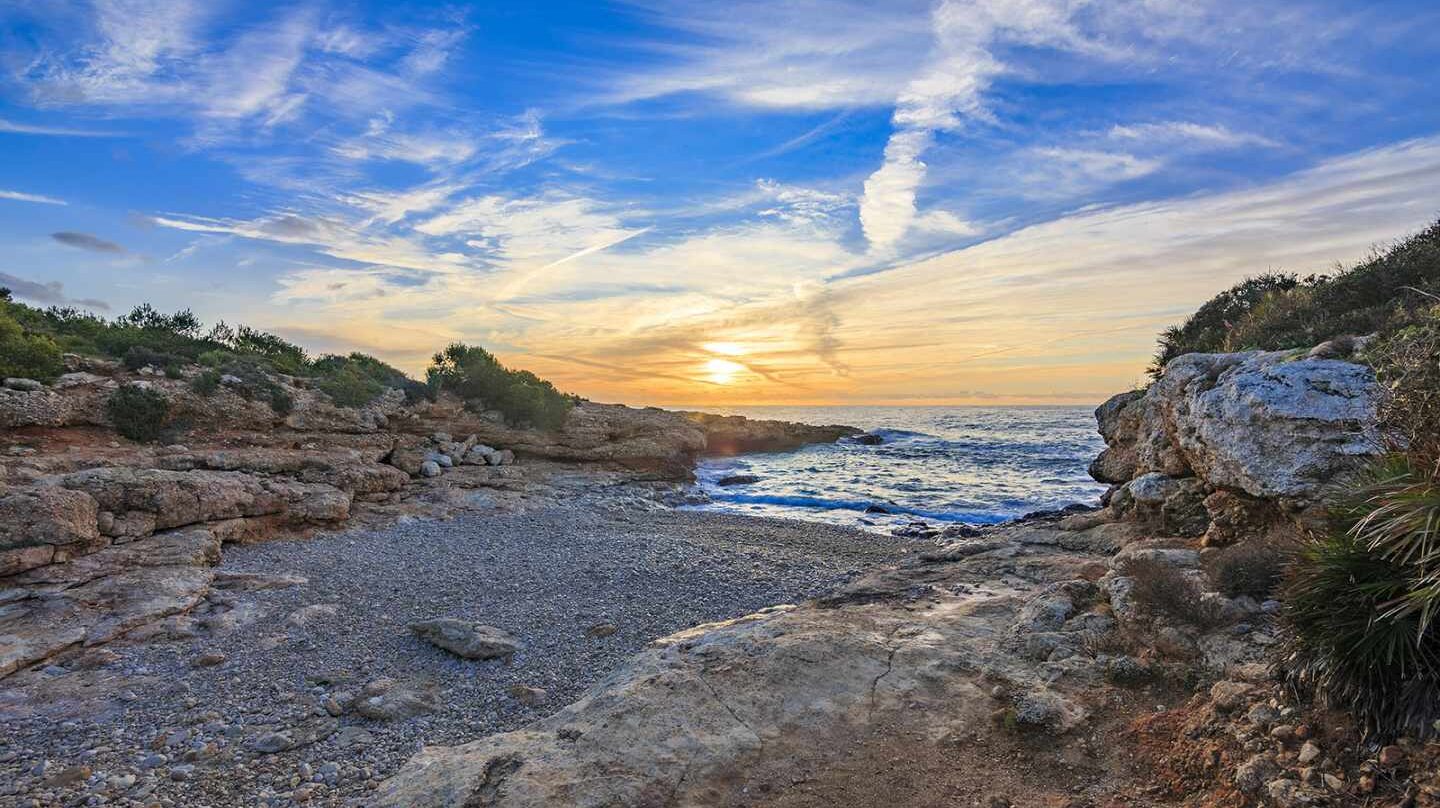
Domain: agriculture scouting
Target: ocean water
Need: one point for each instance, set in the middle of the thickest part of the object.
(979, 465)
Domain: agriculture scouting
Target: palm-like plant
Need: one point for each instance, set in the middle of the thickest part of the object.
(1361, 600)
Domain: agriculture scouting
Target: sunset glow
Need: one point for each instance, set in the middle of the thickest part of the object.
(828, 202)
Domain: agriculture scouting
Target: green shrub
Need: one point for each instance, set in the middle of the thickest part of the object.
(27, 355)
(475, 375)
(355, 380)
(206, 382)
(139, 356)
(1361, 601)
(1389, 290)
(1206, 330)
(1251, 568)
(138, 413)
(349, 388)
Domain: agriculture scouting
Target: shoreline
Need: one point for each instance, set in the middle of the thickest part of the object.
(554, 575)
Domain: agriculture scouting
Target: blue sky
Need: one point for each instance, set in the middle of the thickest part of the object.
(720, 202)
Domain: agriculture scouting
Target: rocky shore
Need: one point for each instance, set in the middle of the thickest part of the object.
(598, 649)
(297, 677)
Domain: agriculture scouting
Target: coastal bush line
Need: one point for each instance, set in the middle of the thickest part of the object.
(1391, 290)
(247, 360)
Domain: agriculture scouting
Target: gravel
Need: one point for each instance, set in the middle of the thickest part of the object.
(263, 706)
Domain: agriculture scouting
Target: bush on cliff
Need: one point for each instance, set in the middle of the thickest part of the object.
(1385, 293)
(475, 375)
(26, 355)
(356, 380)
(138, 413)
(1362, 602)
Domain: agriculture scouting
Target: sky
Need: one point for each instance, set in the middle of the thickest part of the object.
(819, 202)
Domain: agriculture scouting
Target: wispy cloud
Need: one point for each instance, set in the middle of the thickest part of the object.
(1171, 133)
(19, 196)
(86, 241)
(52, 131)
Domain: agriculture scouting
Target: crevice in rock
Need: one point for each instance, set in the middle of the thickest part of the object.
(889, 666)
(731, 710)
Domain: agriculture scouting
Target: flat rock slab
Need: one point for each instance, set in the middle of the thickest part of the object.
(466, 639)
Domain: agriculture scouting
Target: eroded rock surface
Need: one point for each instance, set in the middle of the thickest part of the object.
(947, 647)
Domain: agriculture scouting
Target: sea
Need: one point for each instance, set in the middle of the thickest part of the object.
(977, 465)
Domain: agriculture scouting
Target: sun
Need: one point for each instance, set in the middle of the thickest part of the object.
(722, 371)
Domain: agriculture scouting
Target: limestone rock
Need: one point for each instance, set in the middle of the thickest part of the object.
(35, 521)
(176, 499)
(466, 639)
(1268, 424)
(35, 629)
(1170, 506)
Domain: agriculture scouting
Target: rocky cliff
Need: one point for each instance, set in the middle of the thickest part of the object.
(99, 534)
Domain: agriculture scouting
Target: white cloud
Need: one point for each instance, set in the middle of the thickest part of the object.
(1176, 133)
(19, 196)
(52, 131)
(1068, 172)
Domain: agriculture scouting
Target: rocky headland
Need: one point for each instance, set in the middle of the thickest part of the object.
(600, 649)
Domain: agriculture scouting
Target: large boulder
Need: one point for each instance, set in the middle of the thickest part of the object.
(1137, 438)
(1269, 424)
(466, 639)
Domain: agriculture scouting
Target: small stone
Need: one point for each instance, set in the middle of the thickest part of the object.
(429, 469)
(1284, 733)
(600, 630)
(154, 761)
(1334, 782)
(120, 782)
(209, 659)
(24, 385)
(181, 773)
(1391, 756)
(1262, 715)
(469, 640)
(529, 696)
(1308, 753)
(271, 743)
(1228, 696)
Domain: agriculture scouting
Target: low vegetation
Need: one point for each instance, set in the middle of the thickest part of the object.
(248, 362)
(1362, 604)
(1163, 591)
(1385, 294)
(1249, 569)
(138, 413)
(475, 375)
(23, 354)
